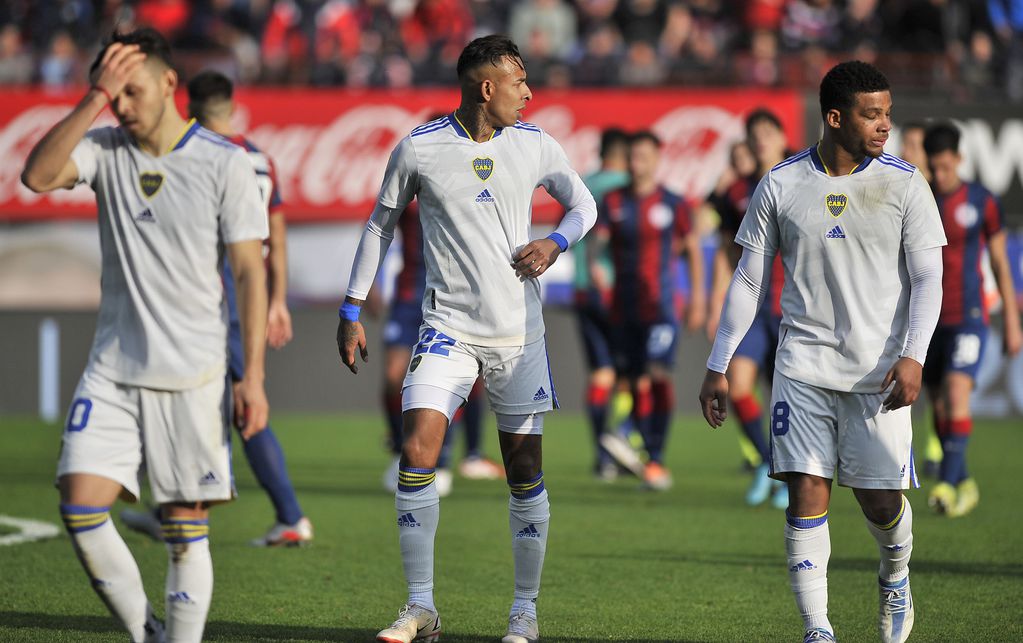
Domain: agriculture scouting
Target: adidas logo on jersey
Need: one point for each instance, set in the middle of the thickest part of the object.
(408, 520)
(529, 532)
(146, 216)
(209, 478)
(804, 566)
(835, 233)
(485, 197)
(540, 396)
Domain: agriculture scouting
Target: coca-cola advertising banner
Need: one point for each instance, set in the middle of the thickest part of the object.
(331, 147)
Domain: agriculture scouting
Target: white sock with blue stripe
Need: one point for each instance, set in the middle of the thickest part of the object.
(189, 578)
(808, 548)
(529, 514)
(418, 506)
(895, 542)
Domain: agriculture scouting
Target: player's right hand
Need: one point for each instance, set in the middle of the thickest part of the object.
(351, 335)
(119, 62)
(251, 409)
(713, 395)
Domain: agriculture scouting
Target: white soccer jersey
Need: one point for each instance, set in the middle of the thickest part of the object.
(163, 223)
(843, 241)
(475, 204)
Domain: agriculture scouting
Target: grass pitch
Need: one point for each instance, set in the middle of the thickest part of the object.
(693, 564)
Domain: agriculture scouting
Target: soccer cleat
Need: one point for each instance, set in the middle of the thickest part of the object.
(444, 481)
(942, 498)
(780, 497)
(967, 497)
(414, 623)
(522, 628)
(146, 523)
(281, 535)
(760, 489)
(390, 479)
(154, 628)
(818, 635)
(606, 471)
(622, 451)
(477, 467)
(657, 477)
(895, 616)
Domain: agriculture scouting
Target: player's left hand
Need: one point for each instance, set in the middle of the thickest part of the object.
(535, 258)
(907, 375)
(278, 325)
(1012, 339)
(251, 409)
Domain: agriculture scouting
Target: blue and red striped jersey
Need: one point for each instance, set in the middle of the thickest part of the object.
(411, 281)
(732, 208)
(266, 174)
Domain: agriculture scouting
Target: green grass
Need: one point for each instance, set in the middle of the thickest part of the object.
(693, 564)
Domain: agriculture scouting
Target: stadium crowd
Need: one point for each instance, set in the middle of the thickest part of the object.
(964, 47)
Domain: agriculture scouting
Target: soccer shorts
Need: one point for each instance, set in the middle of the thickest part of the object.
(761, 341)
(841, 436)
(182, 438)
(402, 327)
(517, 378)
(636, 345)
(595, 330)
(955, 349)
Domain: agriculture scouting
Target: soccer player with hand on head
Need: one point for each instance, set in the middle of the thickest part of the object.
(172, 197)
(473, 172)
(860, 238)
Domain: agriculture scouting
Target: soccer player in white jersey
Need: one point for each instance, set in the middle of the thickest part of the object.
(860, 239)
(172, 198)
(474, 173)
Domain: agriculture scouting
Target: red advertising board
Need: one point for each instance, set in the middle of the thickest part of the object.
(331, 146)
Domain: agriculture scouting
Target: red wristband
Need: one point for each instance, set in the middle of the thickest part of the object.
(100, 88)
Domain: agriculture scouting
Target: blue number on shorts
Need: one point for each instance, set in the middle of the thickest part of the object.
(780, 418)
(78, 417)
(434, 342)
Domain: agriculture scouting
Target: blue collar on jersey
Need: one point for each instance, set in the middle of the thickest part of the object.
(193, 125)
(818, 162)
(464, 133)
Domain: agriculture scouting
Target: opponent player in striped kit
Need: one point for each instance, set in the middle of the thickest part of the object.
(172, 198)
(973, 222)
(860, 238)
(646, 226)
(473, 173)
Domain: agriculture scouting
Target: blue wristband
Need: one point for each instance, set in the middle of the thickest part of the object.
(559, 239)
(349, 311)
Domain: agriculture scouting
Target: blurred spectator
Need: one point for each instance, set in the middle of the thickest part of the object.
(641, 20)
(62, 65)
(1007, 20)
(169, 17)
(594, 14)
(641, 66)
(602, 51)
(434, 35)
(543, 29)
(811, 24)
(16, 65)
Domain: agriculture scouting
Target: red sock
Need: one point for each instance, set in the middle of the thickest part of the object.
(747, 408)
(598, 395)
(963, 427)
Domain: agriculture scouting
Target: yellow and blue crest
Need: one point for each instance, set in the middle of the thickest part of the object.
(483, 168)
(836, 204)
(150, 182)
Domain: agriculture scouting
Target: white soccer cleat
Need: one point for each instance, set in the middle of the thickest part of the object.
(479, 468)
(522, 628)
(895, 616)
(145, 522)
(281, 535)
(444, 481)
(818, 635)
(414, 623)
(390, 479)
(154, 628)
(621, 450)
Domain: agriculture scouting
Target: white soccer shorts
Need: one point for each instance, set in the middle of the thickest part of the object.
(182, 438)
(824, 432)
(517, 378)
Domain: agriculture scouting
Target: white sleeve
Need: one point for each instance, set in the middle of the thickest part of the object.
(759, 228)
(924, 268)
(921, 221)
(376, 239)
(401, 178)
(86, 157)
(242, 211)
(745, 295)
(564, 184)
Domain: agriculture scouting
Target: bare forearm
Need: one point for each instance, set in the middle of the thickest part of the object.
(277, 277)
(252, 307)
(52, 153)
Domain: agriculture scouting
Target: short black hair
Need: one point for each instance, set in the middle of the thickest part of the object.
(841, 84)
(762, 115)
(942, 137)
(610, 138)
(487, 50)
(209, 85)
(908, 125)
(150, 41)
(645, 135)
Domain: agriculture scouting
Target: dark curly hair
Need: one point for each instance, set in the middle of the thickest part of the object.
(150, 41)
(941, 137)
(759, 115)
(487, 50)
(841, 84)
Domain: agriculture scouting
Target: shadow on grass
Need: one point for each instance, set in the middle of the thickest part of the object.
(229, 631)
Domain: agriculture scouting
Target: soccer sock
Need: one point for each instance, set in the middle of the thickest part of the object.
(266, 458)
(418, 508)
(895, 542)
(642, 409)
(808, 547)
(529, 513)
(660, 418)
(473, 422)
(953, 444)
(750, 417)
(597, 400)
(111, 567)
(392, 407)
(189, 578)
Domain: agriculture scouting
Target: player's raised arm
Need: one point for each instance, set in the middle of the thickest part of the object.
(50, 165)
(397, 191)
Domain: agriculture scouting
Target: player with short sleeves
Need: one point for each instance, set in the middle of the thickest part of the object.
(860, 239)
(172, 199)
(473, 172)
(973, 223)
